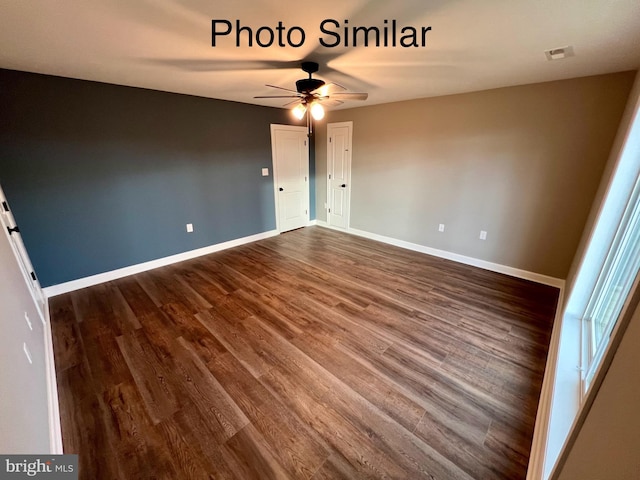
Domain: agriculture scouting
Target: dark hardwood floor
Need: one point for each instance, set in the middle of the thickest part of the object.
(310, 355)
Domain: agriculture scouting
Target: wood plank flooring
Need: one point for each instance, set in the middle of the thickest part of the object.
(310, 355)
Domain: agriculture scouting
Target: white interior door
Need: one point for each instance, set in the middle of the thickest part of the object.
(291, 176)
(339, 173)
(8, 224)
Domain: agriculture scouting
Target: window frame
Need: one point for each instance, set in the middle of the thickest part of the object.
(624, 249)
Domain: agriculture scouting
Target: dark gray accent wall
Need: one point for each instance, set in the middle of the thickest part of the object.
(101, 177)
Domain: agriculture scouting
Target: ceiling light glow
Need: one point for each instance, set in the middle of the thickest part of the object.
(317, 112)
(299, 111)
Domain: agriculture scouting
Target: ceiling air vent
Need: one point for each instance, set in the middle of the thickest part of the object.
(559, 53)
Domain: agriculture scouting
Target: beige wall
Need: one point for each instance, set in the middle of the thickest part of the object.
(630, 112)
(608, 444)
(522, 163)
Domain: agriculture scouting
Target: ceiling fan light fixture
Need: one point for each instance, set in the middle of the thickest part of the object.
(317, 112)
(310, 92)
(299, 111)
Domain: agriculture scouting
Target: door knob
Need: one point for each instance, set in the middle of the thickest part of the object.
(343, 185)
(281, 189)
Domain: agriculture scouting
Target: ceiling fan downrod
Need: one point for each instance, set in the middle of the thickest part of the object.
(308, 85)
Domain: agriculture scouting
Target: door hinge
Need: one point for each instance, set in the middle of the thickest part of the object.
(329, 209)
(306, 212)
(329, 176)
(305, 143)
(33, 276)
(305, 179)
(330, 139)
(14, 229)
(5, 206)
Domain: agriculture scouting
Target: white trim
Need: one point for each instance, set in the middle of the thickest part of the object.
(41, 305)
(274, 168)
(55, 428)
(324, 224)
(474, 262)
(22, 257)
(579, 417)
(330, 126)
(66, 287)
(312, 223)
(538, 454)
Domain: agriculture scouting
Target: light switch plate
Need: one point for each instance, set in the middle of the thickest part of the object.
(189, 227)
(265, 172)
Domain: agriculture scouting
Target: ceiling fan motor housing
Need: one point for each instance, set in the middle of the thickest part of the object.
(308, 85)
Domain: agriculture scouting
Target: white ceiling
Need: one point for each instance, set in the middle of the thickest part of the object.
(166, 44)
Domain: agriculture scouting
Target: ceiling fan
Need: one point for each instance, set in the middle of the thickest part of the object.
(311, 93)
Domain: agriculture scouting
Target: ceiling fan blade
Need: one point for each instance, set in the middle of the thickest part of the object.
(281, 88)
(328, 88)
(277, 96)
(350, 96)
(324, 57)
(221, 65)
(291, 103)
(336, 86)
(331, 102)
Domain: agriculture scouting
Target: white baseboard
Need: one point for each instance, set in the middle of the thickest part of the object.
(66, 287)
(312, 223)
(323, 224)
(55, 429)
(474, 262)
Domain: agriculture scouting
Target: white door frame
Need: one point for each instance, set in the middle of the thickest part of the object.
(274, 168)
(41, 304)
(349, 125)
(7, 221)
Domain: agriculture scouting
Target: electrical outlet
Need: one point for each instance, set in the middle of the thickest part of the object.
(441, 227)
(189, 227)
(483, 235)
(265, 172)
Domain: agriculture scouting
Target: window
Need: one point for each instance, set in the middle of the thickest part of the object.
(612, 287)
